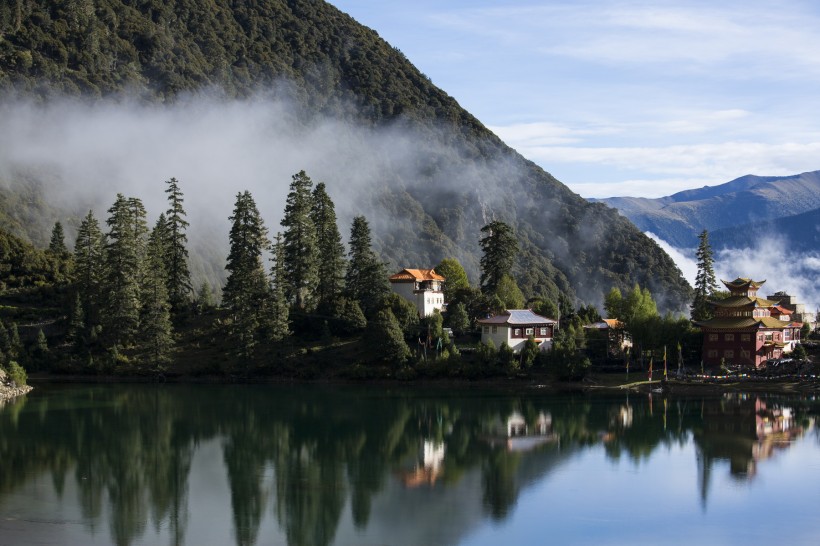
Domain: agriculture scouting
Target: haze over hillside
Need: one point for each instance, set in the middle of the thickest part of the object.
(108, 96)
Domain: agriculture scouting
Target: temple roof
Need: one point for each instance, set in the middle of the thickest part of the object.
(743, 301)
(741, 283)
(517, 317)
(417, 275)
(737, 323)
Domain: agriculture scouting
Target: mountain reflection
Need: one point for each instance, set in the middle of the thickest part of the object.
(396, 464)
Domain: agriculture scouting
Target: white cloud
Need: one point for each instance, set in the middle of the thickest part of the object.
(684, 258)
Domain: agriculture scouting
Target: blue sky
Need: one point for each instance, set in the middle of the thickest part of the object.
(625, 97)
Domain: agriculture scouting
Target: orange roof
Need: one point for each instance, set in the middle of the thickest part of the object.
(615, 324)
(416, 275)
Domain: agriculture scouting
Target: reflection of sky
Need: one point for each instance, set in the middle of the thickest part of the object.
(594, 500)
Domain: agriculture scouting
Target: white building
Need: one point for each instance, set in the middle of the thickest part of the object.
(515, 326)
(421, 287)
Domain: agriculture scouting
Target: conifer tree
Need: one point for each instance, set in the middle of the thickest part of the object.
(246, 287)
(15, 344)
(300, 244)
(89, 267)
(385, 338)
(705, 282)
(278, 307)
(156, 331)
(500, 247)
(366, 278)
(57, 244)
(125, 251)
(176, 252)
(5, 340)
(76, 324)
(331, 251)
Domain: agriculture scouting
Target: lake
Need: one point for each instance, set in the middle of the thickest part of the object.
(317, 465)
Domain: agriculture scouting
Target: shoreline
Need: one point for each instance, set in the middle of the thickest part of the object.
(8, 392)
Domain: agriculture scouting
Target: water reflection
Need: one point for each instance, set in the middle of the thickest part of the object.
(427, 466)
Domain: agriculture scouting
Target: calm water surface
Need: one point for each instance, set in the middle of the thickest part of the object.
(174, 464)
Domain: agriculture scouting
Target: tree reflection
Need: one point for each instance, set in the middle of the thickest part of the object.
(299, 456)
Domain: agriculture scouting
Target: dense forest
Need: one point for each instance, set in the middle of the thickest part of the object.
(463, 176)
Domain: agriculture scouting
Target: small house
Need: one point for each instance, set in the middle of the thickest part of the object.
(424, 288)
(515, 326)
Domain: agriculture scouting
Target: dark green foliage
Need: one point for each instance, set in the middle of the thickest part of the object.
(156, 332)
(705, 282)
(385, 340)
(17, 374)
(545, 308)
(15, 344)
(76, 325)
(799, 353)
(330, 250)
(457, 318)
(22, 265)
(89, 268)
(352, 319)
(565, 358)
(405, 312)
(205, 298)
(175, 248)
(529, 353)
(456, 277)
(301, 253)
(277, 315)
(499, 247)
(246, 288)
(366, 277)
(506, 357)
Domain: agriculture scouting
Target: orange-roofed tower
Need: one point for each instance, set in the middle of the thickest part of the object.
(421, 287)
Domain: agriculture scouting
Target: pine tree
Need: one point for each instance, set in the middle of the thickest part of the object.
(278, 326)
(300, 244)
(156, 332)
(705, 282)
(56, 246)
(176, 252)
(457, 318)
(124, 257)
(205, 300)
(89, 267)
(386, 340)
(500, 248)
(366, 278)
(331, 263)
(246, 288)
(76, 325)
(15, 344)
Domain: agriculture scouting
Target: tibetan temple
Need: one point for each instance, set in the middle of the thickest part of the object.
(747, 330)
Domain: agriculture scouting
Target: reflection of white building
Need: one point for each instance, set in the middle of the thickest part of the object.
(431, 458)
(515, 435)
(421, 287)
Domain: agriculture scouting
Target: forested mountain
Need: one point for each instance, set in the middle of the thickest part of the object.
(798, 233)
(422, 209)
(754, 202)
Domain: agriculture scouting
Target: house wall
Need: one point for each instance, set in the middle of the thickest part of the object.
(504, 333)
(426, 301)
(755, 346)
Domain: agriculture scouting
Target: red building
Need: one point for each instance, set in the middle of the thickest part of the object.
(747, 330)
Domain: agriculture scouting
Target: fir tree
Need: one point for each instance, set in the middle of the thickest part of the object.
(331, 263)
(366, 278)
(705, 282)
(386, 340)
(457, 318)
(205, 299)
(300, 244)
(156, 332)
(246, 287)
(125, 251)
(56, 246)
(176, 252)
(15, 344)
(500, 247)
(278, 326)
(89, 267)
(76, 325)
(5, 340)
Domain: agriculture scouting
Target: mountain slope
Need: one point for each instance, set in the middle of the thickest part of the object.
(310, 52)
(679, 218)
(798, 233)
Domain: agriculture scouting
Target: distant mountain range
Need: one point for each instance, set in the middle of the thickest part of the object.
(736, 213)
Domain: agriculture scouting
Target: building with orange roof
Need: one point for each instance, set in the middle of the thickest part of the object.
(618, 339)
(421, 287)
(746, 329)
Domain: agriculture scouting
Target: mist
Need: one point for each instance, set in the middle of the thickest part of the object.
(85, 153)
(769, 260)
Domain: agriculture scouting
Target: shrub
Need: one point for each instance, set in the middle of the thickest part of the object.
(17, 374)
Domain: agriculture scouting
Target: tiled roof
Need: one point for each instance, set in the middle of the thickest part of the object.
(517, 316)
(742, 323)
(743, 301)
(741, 282)
(416, 275)
(615, 324)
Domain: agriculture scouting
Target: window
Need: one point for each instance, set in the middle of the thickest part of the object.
(728, 353)
(713, 337)
(517, 332)
(712, 354)
(729, 337)
(495, 329)
(486, 329)
(543, 332)
(528, 331)
(745, 337)
(744, 354)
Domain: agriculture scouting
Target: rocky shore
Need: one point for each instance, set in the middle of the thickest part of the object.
(9, 390)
